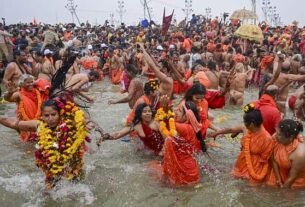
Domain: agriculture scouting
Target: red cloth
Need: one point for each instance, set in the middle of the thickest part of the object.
(166, 23)
(291, 102)
(215, 101)
(179, 88)
(270, 113)
(153, 139)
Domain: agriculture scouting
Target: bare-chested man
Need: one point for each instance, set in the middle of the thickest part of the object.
(79, 83)
(297, 103)
(15, 69)
(48, 68)
(213, 75)
(218, 55)
(238, 85)
(283, 81)
(183, 64)
(295, 62)
(115, 66)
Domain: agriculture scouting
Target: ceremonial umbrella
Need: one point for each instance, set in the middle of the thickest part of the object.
(243, 14)
(250, 32)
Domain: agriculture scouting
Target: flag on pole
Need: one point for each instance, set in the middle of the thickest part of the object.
(166, 22)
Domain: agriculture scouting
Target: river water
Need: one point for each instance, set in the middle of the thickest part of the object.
(117, 172)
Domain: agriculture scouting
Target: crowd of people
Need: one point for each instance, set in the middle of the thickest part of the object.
(46, 67)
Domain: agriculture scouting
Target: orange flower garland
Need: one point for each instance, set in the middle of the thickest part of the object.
(38, 112)
(251, 171)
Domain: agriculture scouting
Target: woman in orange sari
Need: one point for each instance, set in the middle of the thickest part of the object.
(29, 101)
(288, 158)
(180, 166)
(256, 147)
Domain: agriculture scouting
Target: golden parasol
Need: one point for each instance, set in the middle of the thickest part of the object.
(250, 32)
(243, 14)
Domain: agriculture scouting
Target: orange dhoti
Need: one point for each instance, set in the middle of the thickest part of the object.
(253, 161)
(116, 75)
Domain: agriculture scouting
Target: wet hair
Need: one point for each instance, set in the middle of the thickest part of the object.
(132, 69)
(94, 73)
(151, 86)
(196, 89)
(50, 103)
(192, 106)
(252, 116)
(290, 128)
(138, 113)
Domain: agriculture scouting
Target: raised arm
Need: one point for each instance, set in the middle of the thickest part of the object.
(153, 66)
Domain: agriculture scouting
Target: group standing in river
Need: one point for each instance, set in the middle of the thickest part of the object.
(202, 67)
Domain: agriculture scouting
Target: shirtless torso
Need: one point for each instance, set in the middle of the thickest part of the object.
(13, 72)
(47, 71)
(76, 82)
(213, 76)
(237, 88)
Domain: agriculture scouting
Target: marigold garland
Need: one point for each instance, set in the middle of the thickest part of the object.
(251, 171)
(162, 117)
(60, 151)
(38, 112)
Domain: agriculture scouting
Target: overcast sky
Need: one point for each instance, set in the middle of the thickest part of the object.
(96, 11)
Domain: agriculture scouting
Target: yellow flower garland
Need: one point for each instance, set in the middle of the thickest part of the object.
(60, 151)
(162, 117)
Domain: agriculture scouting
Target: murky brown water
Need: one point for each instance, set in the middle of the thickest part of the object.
(116, 173)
